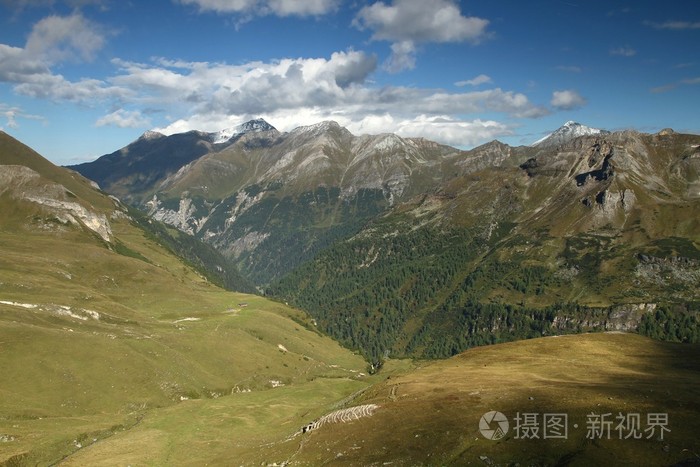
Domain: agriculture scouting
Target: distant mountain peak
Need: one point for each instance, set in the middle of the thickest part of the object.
(151, 135)
(251, 126)
(566, 133)
(317, 127)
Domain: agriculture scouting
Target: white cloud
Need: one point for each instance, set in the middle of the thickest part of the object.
(53, 40)
(672, 86)
(567, 100)
(59, 38)
(124, 119)
(403, 57)
(267, 7)
(623, 51)
(420, 21)
(302, 7)
(260, 88)
(674, 25)
(16, 65)
(406, 23)
(294, 92)
(11, 115)
(288, 92)
(476, 81)
(56, 88)
(455, 132)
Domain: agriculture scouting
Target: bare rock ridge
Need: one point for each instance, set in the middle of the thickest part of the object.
(251, 190)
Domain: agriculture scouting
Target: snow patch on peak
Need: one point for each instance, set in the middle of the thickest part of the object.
(570, 130)
(317, 127)
(151, 135)
(252, 126)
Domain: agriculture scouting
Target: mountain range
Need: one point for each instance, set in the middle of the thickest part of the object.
(116, 349)
(400, 245)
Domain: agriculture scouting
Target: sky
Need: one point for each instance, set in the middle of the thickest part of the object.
(83, 78)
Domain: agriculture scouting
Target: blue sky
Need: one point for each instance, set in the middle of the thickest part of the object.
(82, 78)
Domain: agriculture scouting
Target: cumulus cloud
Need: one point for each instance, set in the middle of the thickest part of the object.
(294, 92)
(420, 21)
(288, 92)
(52, 41)
(262, 88)
(406, 23)
(476, 81)
(59, 38)
(16, 64)
(57, 88)
(124, 119)
(567, 100)
(403, 57)
(267, 7)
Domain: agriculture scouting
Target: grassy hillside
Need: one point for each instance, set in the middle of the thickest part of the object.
(114, 351)
(97, 333)
(431, 416)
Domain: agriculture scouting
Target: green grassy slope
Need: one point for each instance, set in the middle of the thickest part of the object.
(431, 416)
(95, 335)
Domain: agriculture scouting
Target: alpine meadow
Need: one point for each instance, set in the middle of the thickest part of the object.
(405, 233)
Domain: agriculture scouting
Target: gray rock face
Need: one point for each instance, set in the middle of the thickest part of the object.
(278, 198)
(26, 184)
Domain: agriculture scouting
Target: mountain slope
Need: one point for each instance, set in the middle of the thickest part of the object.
(114, 351)
(432, 416)
(139, 167)
(594, 235)
(407, 247)
(271, 201)
(101, 326)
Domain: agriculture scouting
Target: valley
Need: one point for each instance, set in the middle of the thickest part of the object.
(407, 248)
(377, 233)
(119, 344)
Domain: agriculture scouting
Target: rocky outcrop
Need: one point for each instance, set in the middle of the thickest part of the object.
(26, 184)
(622, 318)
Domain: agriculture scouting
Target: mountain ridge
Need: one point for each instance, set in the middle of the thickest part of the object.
(116, 351)
(337, 224)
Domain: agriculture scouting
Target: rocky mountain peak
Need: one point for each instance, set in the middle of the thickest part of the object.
(567, 132)
(151, 135)
(317, 127)
(251, 126)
